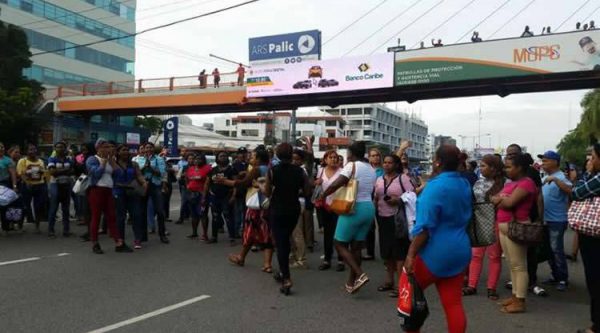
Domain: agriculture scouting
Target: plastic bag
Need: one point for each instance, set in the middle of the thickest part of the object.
(7, 196)
(412, 305)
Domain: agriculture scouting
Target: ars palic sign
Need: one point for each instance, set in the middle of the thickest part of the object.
(287, 48)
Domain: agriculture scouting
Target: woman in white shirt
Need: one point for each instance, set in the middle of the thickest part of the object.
(352, 229)
(325, 177)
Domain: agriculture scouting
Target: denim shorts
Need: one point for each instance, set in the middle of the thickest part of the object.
(355, 226)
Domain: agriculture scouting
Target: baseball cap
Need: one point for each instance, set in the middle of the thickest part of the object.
(584, 41)
(550, 155)
(242, 150)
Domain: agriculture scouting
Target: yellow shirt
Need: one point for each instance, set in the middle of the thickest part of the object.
(32, 173)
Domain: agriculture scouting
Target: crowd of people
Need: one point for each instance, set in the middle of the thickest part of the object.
(267, 198)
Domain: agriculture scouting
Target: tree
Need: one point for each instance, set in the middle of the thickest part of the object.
(153, 124)
(573, 146)
(18, 95)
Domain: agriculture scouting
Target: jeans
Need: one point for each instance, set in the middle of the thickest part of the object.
(558, 262)
(59, 194)
(167, 200)
(184, 211)
(129, 204)
(150, 214)
(370, 245)
(154, 198)
(590, 250)
(282, 225)
(221, 214)
(193, 204)
(38, 194)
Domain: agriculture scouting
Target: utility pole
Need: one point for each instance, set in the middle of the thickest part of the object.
(293, 123)
(479, 126)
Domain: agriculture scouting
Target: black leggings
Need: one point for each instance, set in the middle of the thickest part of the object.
(590, 250)
(329, 220)
(282, 225)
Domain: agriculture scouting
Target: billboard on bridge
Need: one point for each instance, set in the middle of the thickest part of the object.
(284, 49)
(545, 54)
(311, 77)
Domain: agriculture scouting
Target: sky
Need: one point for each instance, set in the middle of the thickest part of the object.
(537, 121)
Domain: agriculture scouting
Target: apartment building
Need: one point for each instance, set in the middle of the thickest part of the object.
(378, 124)
(55, 25)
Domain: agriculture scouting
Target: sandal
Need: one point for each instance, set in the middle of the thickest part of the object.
(492, 295)
(385, 287)
(349, 289)
(468, 291)
(236, 260)
(360, 282)
(267, 269)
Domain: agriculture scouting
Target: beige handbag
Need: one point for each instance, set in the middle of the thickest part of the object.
(345, 197)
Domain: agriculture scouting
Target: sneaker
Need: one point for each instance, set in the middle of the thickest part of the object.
(340, 267)
(508, 285)
(67, 234)
(137, 245)
(51, 235)
(123, 248)
(562, 286)
(539, 291)
(97, 249)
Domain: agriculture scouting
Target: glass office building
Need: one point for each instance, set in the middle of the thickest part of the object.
(59, 25)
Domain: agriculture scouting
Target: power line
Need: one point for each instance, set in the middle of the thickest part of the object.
(570, 16)
(592, 13)
(408, 25)
(354, 22)
(382, 27)
(146, 17)
(151, 29)
(443, 23)
(482, 21)
(512, 18)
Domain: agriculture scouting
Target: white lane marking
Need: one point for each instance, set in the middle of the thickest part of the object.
(4, 263)
(150, 314)
(19, 261)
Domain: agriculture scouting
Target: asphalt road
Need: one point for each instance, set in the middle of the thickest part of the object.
(64, 287)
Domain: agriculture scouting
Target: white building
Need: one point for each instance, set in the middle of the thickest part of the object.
(54, 25)
(191, 136)
(381, 125)
(277, 125)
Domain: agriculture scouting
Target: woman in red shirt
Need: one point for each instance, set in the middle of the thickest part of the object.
(196, 176)
(514, 204)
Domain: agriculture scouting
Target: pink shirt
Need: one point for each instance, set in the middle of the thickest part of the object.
(394, 190)
(327, 181)
(521, 211)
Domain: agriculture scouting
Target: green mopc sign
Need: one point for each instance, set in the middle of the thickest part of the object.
(546, 54)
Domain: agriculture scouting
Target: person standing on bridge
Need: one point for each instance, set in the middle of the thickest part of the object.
(202, 78)
(216, 77)
(241, 72)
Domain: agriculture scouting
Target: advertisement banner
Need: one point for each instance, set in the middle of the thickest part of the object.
(545, 54)
(132, 138)
(171, 129)
(367, 72)
(288, 48)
